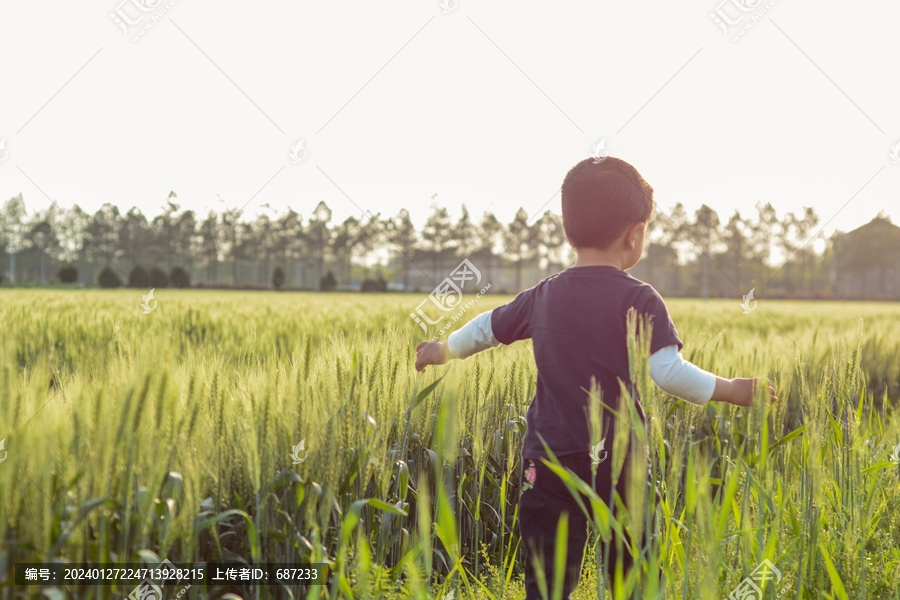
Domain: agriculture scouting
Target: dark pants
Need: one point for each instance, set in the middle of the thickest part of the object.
(540, 508)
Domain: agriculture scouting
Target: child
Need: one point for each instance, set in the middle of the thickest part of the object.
(577, 321)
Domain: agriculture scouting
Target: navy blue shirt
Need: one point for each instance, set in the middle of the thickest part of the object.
(577, 321)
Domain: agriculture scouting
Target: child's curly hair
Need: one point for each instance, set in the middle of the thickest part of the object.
(600, 200)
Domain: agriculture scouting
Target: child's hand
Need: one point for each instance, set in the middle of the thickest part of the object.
(744, 390)
(431, 353)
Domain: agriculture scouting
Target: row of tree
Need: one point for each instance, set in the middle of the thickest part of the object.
(685, 253)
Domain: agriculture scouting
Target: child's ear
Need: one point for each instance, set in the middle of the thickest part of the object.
(632, 237)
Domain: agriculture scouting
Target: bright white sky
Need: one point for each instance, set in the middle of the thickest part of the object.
(487, 105)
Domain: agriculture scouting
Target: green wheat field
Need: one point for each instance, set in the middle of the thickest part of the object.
(133, 437)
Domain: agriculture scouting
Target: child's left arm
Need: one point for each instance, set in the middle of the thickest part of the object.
(474, 337)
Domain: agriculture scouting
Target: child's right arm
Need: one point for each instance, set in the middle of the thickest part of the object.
(679, 377)
(740, 391)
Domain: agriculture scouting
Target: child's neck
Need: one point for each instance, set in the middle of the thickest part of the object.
(592, 257)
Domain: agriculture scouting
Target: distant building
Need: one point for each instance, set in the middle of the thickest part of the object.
(659, 267)
(867, 260)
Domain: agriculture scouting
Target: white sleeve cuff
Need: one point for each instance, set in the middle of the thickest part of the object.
(472, 338)
(678, 377)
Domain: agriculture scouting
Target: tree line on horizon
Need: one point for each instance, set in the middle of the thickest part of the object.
(691, 255)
